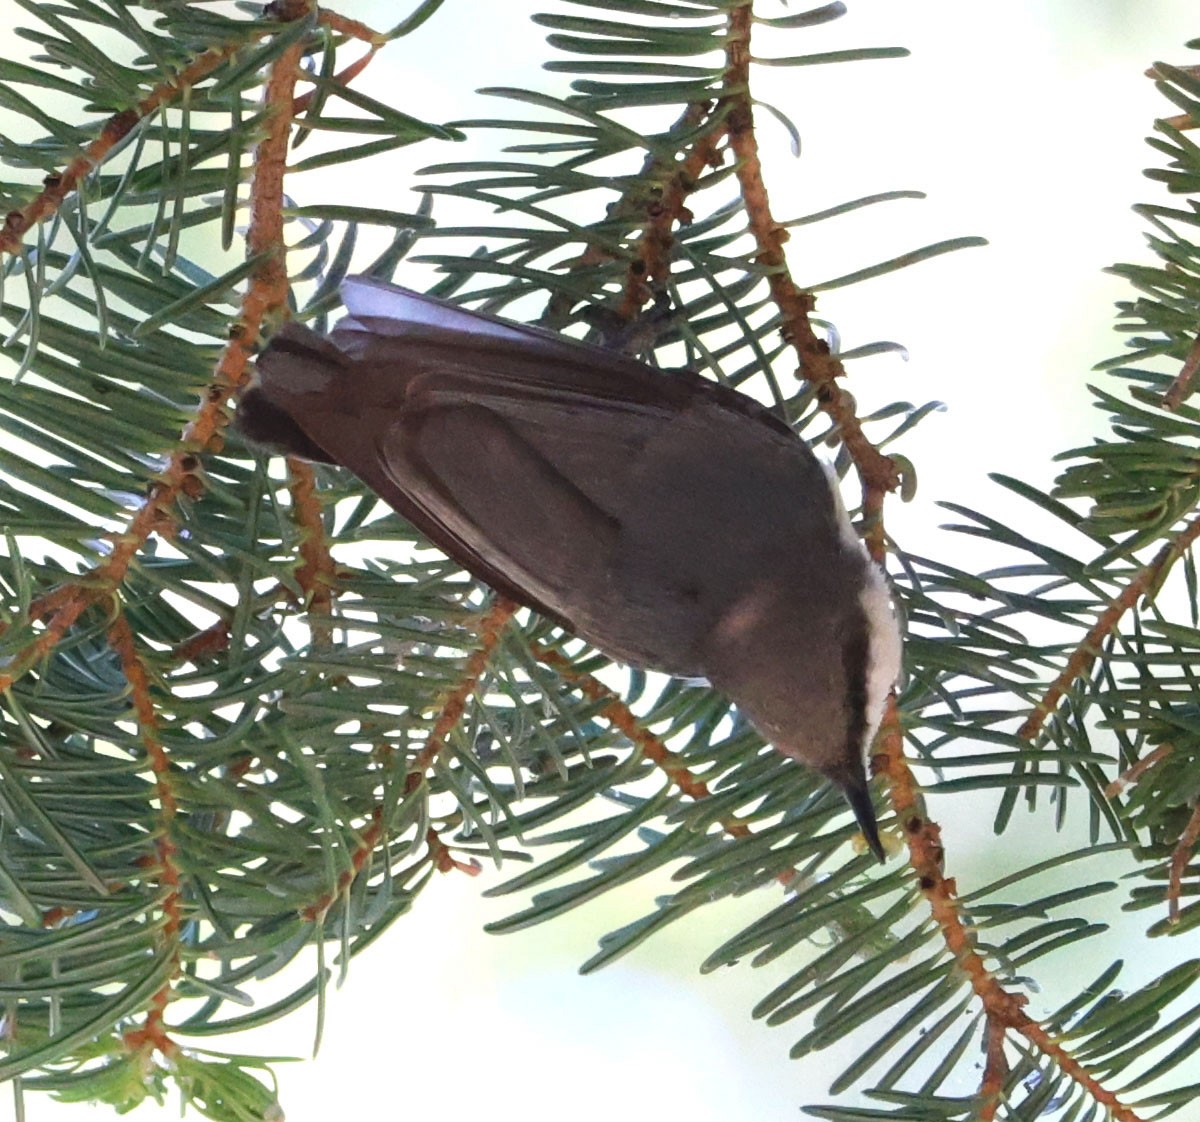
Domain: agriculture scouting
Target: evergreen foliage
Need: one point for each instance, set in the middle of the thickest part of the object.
(246, 710)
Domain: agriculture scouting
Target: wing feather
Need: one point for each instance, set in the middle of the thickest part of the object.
(579, 482)
(475, 475)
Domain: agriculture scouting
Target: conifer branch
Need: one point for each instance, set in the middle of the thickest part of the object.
(342, 78)
(1180, 856)
(317, 756)
(454, 703)
(152, 1035)
(1184, 384)
(317, 572)
(1003, 1010)
(351, 28)
(59, 185)
(490, 630)
(651, 264)
(1089, 648)
(621, 717)
(316, 912)
(266, 294)
(817, 365)
(651, 259)
(1068, 1065)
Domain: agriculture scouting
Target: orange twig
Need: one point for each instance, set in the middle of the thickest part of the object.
(59, 185)
(454, 704)
(490, 630)
(1181, 388)
(317, 572)
(444, 860)
(652, 265)
(1003, 1010)
(631, 205)
(1179, 863)
(995, 1074)
(1085, 654)
(621, 717)
(153, 1033)
(316, 912)
(211, 641)
(60, 623)
(351, 28)
(817, 365)
(342, 78)
(1076, 1072)
(1138, 770)
(215, 638)
(267, 293)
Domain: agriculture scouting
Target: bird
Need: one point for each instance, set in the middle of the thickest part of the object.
(673, 522)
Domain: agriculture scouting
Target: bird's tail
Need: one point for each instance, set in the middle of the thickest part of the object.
(296, 359)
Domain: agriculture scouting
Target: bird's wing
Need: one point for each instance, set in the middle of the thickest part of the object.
(575, 480)
(506, 461)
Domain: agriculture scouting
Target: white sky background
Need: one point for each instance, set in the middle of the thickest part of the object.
(1024, 123)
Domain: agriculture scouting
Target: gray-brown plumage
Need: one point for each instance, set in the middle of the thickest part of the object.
(672, 522)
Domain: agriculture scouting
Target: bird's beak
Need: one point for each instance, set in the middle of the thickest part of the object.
(858, 795)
